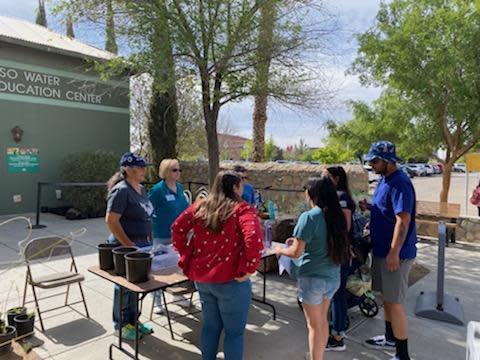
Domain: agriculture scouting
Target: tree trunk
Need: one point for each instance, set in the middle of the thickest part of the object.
(264, 56)
(110, 41)
(41, 14)
(259, 124)
(70, 32)
(212, 141)
(162, 125)
(446, 176)
(164, 108)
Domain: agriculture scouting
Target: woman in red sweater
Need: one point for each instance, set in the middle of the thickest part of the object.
(220, 241)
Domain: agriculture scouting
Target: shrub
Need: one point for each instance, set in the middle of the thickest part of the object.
(97, 166)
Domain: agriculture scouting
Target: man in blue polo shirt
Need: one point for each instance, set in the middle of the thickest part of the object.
(394, 238)
(248, 190)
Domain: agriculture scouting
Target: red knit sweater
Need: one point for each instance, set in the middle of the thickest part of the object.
(218, 256)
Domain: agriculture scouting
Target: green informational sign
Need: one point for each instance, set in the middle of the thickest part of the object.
(23, 160)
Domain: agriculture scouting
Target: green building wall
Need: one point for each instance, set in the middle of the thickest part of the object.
(55, 127)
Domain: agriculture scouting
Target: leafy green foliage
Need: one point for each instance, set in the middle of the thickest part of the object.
(423, 50)
(97, 166)
(247, 151)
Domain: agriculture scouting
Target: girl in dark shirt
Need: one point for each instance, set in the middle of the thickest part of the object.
(339, 301)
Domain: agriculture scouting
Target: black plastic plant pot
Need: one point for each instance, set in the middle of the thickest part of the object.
(119, 259)
(11, 313)
(9, 334)
(24, 324)
(138, 266)
(105, 256)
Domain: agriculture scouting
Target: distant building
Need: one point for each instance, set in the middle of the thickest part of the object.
(52, 104)
(231, 146)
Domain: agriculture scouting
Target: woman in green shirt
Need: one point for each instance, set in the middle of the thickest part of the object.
(318, 246)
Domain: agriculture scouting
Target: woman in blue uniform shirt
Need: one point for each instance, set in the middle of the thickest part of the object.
(168, 202)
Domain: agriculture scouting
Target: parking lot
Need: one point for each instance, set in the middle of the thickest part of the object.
(428, 188)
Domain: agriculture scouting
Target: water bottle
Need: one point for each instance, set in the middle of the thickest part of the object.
(275, 211)
(267, 240)
(271, 209)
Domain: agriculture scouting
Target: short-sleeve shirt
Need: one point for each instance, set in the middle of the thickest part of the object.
(167, 206)
(393, 195)
(315, 262)
(248, 194)
(135, 210)
(346, 202)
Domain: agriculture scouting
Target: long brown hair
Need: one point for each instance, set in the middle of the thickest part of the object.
(116, 178)
(219, 204)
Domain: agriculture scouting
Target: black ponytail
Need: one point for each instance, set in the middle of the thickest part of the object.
(323, 193)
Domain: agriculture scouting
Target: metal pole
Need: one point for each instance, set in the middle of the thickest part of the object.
(442, 237)
(39, 194)
(467, 175)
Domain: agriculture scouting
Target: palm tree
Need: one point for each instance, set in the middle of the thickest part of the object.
(41, 14)
(264, 57)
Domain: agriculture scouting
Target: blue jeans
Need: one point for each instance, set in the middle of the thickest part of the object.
(129, 300)
(339, 305)
(224, 307)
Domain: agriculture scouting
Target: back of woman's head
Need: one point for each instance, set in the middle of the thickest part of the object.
(323, 193)
(220, 202)
(339, 173)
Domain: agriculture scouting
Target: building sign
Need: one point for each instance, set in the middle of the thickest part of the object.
(472, 161)
(37, 84)
(23, 160)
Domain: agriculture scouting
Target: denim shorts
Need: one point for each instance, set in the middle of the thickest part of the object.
(314, 290)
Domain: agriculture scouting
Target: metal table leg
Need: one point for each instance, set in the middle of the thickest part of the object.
(263, 300)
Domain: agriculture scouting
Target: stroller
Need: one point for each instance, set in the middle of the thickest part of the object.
(358, 290)
(358, 283)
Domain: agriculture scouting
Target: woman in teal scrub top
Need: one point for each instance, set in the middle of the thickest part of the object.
(168, 202)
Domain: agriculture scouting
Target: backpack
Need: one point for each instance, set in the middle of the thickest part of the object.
(475, 198)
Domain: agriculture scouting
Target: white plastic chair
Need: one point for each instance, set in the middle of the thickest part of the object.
(188, 195)
(473, 340)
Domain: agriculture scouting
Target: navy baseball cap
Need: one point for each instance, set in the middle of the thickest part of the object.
(130, 159)
(384, 150)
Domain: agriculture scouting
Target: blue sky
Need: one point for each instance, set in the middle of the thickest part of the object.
(286, 125)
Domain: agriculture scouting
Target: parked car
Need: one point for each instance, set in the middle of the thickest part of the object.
(372, 175)
(437, 168)
(417, 169)
(459, 168)
(407, 171)
(430, 169)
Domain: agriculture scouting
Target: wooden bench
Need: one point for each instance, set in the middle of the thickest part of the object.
(431, 212)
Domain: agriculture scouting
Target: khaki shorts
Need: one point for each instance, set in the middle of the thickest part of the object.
(393, 285)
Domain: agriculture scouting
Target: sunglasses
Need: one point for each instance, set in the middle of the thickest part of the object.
(244, 177)
(177, 170)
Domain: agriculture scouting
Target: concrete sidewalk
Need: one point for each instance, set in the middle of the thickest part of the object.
(71, 336)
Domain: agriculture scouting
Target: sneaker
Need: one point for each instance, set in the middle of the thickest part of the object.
(145, 329)
(158, 309)
(380, 342)
(335, 345)
(128, 333)
(181, 301)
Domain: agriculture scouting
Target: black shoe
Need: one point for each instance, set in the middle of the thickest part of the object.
(335, 345)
